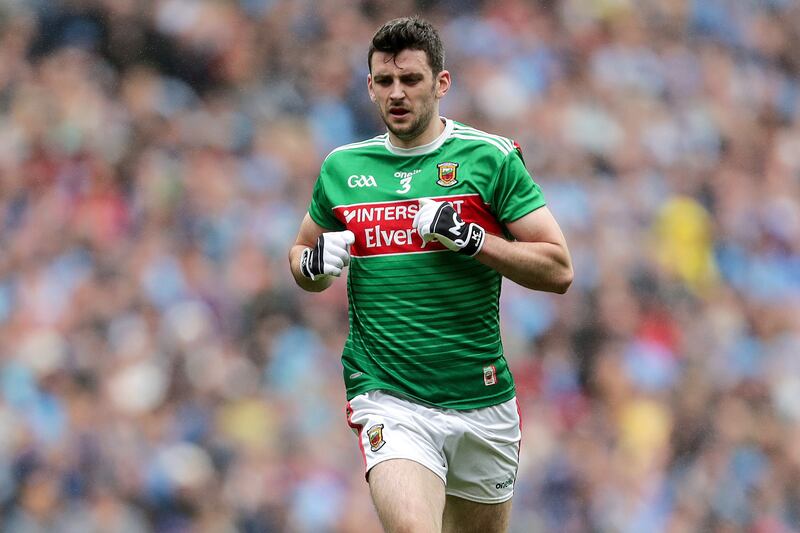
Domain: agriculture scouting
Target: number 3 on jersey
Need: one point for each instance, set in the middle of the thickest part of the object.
(405, 185)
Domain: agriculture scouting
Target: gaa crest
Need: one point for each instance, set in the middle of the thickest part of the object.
(375, 436)
(447, 174)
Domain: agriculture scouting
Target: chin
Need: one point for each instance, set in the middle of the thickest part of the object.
(404, 133)
(397, 129)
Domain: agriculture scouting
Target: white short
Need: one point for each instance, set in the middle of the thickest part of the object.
(475, 452)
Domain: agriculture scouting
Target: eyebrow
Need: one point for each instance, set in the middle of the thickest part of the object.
(410, 76)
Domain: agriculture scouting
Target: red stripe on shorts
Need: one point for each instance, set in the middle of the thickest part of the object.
(358, 428)
(519, 414)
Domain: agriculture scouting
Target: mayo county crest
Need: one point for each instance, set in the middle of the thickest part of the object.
(375, 435)
(447, 174)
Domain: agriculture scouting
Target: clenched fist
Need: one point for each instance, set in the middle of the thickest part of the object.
(330, 255)
(439, 221)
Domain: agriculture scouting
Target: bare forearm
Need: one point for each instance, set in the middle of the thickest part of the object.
(317, 285)
(542, 266)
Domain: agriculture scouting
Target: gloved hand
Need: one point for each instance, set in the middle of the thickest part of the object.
(330, 255)
(439, 221)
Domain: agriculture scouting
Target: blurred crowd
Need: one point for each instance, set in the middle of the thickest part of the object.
(160, 371)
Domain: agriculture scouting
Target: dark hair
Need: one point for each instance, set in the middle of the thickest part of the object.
(409, 33)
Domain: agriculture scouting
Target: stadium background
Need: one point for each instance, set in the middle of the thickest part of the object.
(159, 370)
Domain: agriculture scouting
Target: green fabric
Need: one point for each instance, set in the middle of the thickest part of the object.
(424, 322)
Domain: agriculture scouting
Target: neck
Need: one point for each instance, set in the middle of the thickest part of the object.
(429, 134)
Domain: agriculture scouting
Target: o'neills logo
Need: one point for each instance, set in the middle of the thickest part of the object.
(384, 228)
(447, 174)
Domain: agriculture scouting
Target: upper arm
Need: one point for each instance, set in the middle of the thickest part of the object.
(537, 226)
(320, 210)
(515, 193)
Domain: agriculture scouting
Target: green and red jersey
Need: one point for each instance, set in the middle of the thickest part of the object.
(424, 321)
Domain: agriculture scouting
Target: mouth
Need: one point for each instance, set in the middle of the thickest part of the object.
(399, 112)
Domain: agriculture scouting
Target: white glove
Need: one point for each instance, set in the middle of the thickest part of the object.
(439, 221)
(329, 256)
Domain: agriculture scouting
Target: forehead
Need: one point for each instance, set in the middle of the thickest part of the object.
(403, 63)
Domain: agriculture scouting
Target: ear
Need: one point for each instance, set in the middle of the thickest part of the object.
(369, 88)
(442, 83)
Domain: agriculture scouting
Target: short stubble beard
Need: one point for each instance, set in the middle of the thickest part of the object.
(418, 126)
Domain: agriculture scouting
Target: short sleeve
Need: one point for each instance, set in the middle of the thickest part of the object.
(321, 209)
(515, 194)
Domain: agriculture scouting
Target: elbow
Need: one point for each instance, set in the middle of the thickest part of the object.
(563, 280)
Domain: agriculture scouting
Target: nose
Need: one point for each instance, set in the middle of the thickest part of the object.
(397, 92)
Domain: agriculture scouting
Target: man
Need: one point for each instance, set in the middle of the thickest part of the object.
(429, 216)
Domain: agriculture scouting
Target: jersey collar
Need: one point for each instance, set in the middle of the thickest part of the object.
(425, 148)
